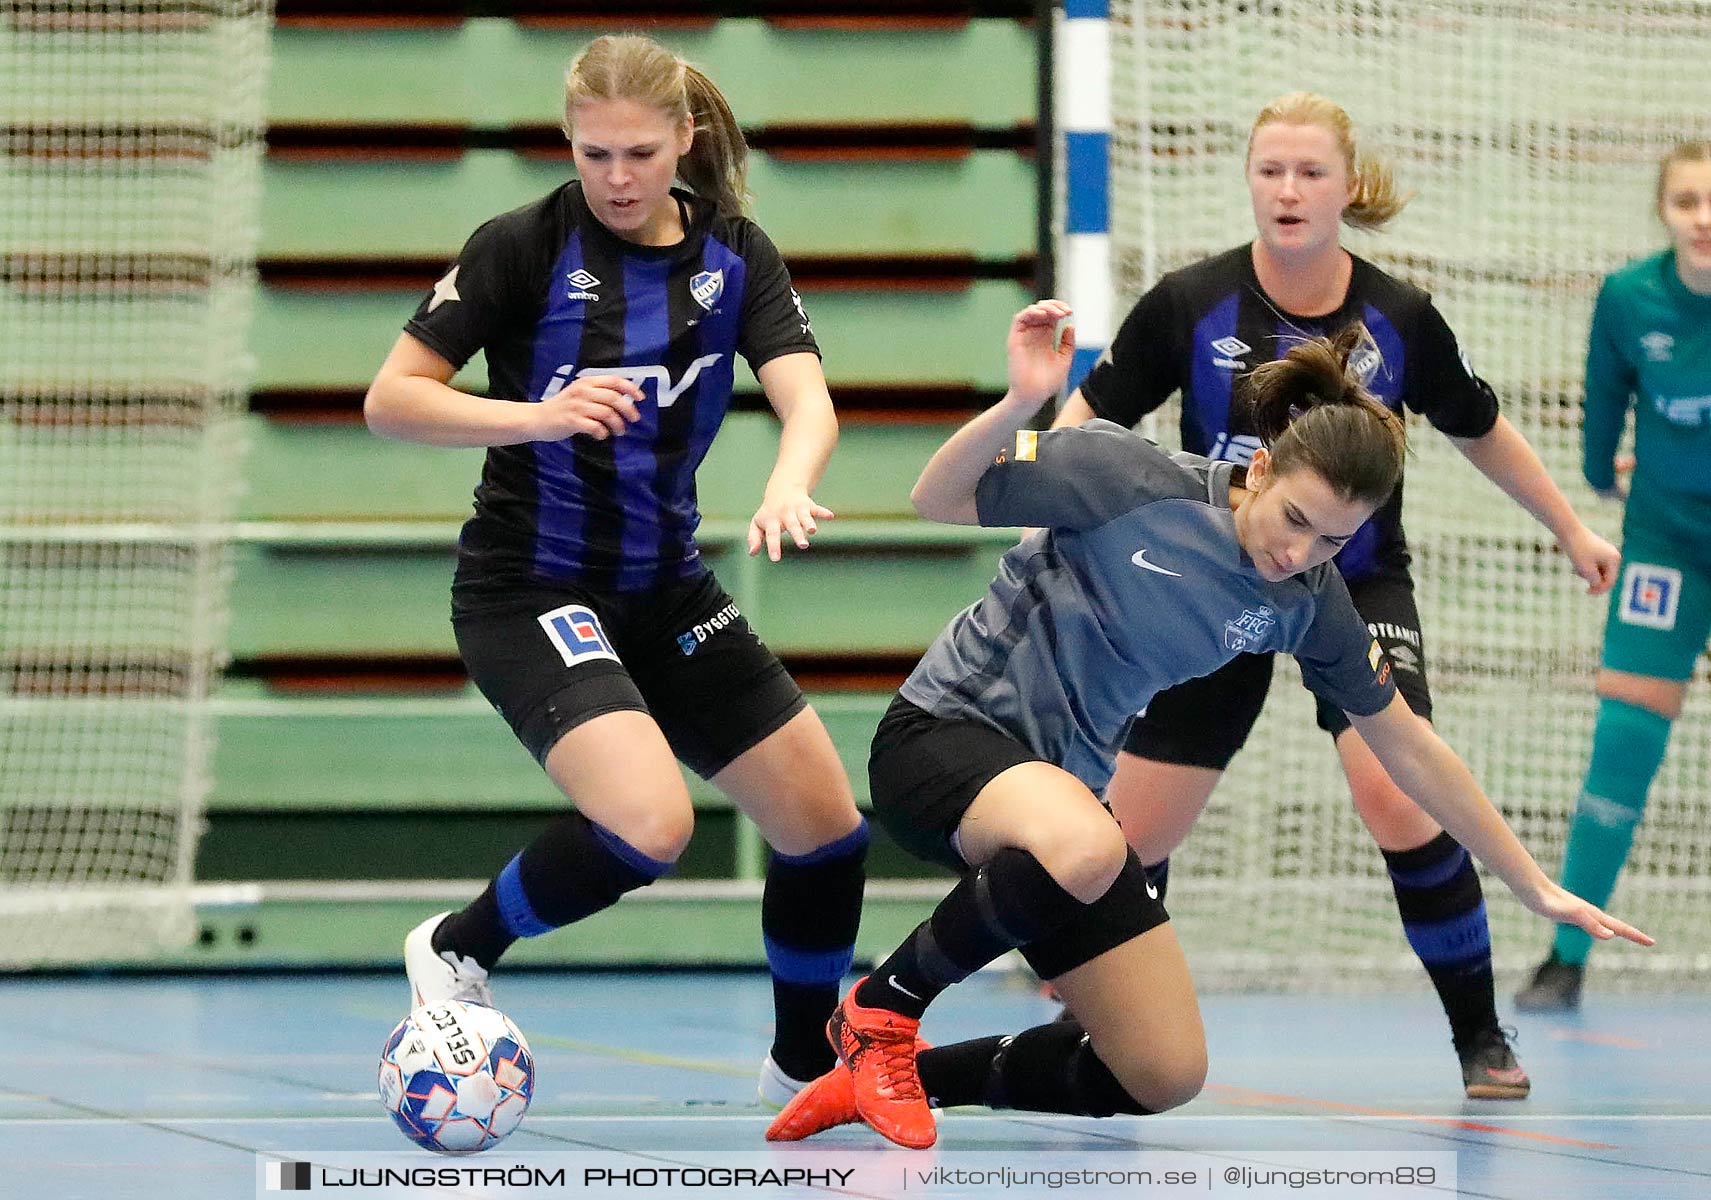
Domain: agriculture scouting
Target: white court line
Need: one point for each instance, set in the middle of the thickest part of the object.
(997, 1118)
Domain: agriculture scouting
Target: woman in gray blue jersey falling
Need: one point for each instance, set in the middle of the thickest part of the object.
(1147, 569)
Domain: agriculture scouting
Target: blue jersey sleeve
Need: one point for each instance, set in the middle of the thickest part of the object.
(1610, 385)
(1340, 660)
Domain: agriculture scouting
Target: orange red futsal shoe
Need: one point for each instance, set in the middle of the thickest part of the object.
(877, 1049)
(825, 1103)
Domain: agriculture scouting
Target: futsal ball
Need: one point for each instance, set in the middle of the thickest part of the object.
(456, 1077)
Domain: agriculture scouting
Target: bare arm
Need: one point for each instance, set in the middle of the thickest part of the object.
(1039, 363)
(1075, 411)
(1504, 457)
(1436, 779)
(411, 400)
(795, 386)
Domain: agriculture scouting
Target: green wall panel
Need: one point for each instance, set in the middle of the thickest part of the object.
(981, 204)
(492, 72)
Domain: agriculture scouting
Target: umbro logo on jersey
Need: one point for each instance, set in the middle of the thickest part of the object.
(580, 281)
(1139, 558)
(1659, 347)
(1227, 352)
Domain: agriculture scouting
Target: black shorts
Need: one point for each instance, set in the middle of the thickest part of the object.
(1204, 722)
(925, 771)
(549, 657)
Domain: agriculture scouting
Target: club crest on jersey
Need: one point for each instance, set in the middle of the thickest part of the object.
(580, 281)
(576, 634)
(705, 288)
(1650, 596)
(1365, 362)
(1247, 629)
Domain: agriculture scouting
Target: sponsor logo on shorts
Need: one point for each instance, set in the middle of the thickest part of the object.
(576, 634)
(691, 638)
(1650, 596)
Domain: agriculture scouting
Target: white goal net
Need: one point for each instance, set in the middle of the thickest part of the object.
(130, 155)
(1532, 130)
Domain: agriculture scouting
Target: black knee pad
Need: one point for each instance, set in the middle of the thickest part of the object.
(1053, 1068)
(1130, 906)
(1019, 898)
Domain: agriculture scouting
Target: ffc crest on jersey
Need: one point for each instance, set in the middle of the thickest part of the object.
(706, 287)
(1247, 629)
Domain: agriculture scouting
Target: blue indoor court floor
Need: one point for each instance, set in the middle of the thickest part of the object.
(120, 1087)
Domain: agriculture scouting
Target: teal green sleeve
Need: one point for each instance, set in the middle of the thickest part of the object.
(1610, 383)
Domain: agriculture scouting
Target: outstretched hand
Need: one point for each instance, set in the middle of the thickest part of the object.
(1565, 908)
(785, 510)
(1039, 354)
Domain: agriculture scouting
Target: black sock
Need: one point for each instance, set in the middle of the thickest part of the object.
(956, 1074)
(1049, 1068)
(572, 870)
(1443, 914)
(1010, 901)
(809, 914)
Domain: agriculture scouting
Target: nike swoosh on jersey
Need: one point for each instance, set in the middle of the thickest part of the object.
(1139, 558)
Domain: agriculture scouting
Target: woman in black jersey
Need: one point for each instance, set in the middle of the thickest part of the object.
(1146, 569)
(611, 313)
(1199, 331)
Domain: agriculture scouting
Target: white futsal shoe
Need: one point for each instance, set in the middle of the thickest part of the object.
(776, 1088)
(437, 978)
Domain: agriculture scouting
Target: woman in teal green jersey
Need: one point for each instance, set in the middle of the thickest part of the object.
(1650, 346)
